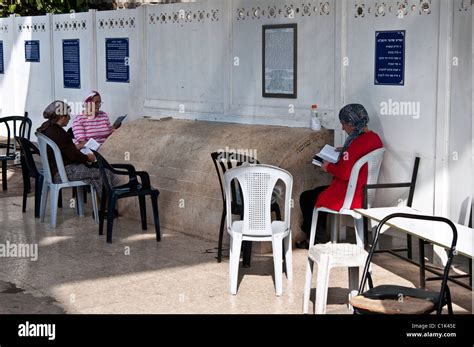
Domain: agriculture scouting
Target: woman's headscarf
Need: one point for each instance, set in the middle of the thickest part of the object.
(53, 112)
(355, 114)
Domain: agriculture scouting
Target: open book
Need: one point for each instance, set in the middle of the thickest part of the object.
(91, 144)
(118, 122)
(328, 153)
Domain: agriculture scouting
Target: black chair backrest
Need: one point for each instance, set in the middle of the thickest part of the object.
(447, 267)
(28, 149)
(15, 126)
(224, 161)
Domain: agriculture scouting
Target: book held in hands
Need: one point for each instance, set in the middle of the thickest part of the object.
(90, 144)
(328, 153)
(118, 122)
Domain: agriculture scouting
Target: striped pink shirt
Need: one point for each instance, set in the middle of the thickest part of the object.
(98, 128)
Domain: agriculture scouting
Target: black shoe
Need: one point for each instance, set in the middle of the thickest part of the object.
(302, 244)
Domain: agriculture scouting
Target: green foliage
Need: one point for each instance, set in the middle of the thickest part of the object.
(41, 7)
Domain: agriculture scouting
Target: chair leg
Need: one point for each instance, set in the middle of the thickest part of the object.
(95, 209)
(221, 236)
(141, 200)
(342, 228)
(26, 190)
(322, 284)
(288, 257)
(38, 191)
(277, 264)
(80, 201)
(4, 174)
(409, 247)
(156, 216)
(112, 201)
(44, 200)
(353, 282)
(307, 285)
(54, 206)
(334, 231)
(359, 229)
(234, 260)
(314, 223)
(247, 257)
(60, 201)
(103, 201)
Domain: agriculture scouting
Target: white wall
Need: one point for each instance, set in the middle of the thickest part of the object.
(33, 80)
(121, 98)
(7, 105)
(75, 26)
(186, 59)
(461, 167)
(441, 128)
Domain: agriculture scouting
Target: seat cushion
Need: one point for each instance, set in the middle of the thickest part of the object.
(393, 299)
(408, 305)
(394, 292)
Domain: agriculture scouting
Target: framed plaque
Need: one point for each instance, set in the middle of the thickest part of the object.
(71, 64)
(32, 51)
(279, 58)
(390, 58)
(117, 60)
(2, 69)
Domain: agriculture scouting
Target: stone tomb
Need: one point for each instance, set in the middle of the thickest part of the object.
(176, 154)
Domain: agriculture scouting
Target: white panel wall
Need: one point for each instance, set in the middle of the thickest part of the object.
(405, 136)
(33, 80)
(121, 98)
(75, 26)
(461, 169)
(7, 104)
(315, 57)
(187, 47)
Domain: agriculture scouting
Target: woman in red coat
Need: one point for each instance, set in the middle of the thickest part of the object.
(361, 141)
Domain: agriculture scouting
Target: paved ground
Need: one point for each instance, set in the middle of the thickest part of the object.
(78, 272)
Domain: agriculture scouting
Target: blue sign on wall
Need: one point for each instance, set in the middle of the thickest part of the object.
(2, 69)
(117, 60)
(71, 64)
(390, 58)
(32, 51)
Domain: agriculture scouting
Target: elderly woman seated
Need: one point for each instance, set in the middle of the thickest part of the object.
(360, 141)
(75, 162)
(92, 123)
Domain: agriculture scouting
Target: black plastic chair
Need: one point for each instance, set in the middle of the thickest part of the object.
(134, 187)
(224, 161)
(13, 129)
(411, 185)
(396, 299)
(29, 169)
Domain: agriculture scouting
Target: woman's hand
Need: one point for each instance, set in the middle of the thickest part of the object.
(338, 149)
(91, 157)
(324, 166)
(80, 145)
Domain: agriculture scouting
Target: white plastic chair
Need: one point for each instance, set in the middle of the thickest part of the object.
(257, 183)
(341, 255)
(374, 162)
(49, 185)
